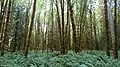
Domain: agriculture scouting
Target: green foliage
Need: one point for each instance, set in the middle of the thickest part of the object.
(71, 59)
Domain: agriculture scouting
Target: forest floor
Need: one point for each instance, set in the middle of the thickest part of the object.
(71, 59)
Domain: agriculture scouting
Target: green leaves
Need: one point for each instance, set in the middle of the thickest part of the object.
(71, 59)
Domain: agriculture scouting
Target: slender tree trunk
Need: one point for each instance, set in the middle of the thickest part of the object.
(111, 24)
(38, 38)
(30, 30)
(2, 21)
(63, 42)
(67, 33)
(73, 27)
(115, 31)
(44, 34)
(52, 17)
(6, 39)
(1, 11)
(91, 29)
(26, 27)
(59, 24)
(107, 28)
(95, 33)
(81, 23)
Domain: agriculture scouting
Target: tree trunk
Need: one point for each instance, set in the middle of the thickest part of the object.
(67, 25)
(6, 39)
(59, 24)
(30, 30)
(73, 27)
(107, 28)
(1, 23)
(91, 28)
(95, 34)
(2, 20)
(63, 43)
(52, 17)
(115, 31)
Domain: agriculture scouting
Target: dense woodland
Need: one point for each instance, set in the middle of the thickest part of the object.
(60, 26)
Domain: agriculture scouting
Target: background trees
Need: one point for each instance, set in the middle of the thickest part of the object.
(59, 25)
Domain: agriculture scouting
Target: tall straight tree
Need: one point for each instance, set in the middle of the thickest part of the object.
(95, 33)
(73, 27)
(30, 29)
(115, 31)
(91, 25)
(59, 24)
(52, 17)
(1, 11)
(107, 28)
(63, 42)
(26, 26)
(2, 20)
(68, 28)
(6, 33)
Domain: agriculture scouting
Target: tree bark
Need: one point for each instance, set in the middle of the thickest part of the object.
(95, 33)
(30, 30)
(2, 20)
(59, 24)
(68, 25)
(115, 31)
(63, 42)
(6, 39)
(107, 28)
(73, 27)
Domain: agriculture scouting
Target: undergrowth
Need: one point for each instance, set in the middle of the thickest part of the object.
(71, 59)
